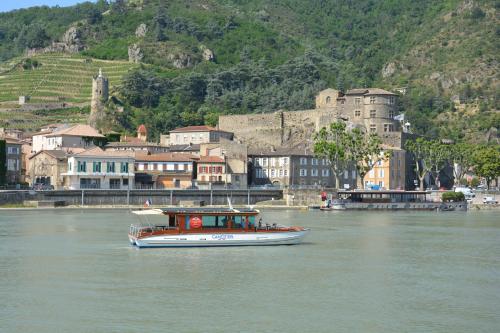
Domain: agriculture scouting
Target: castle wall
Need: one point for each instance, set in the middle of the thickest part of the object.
(257, 130)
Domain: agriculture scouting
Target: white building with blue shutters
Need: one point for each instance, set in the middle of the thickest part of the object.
(99, 169)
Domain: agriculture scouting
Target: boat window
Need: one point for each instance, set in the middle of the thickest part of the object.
(214, 221)
(171, 220)
(209, 221)
(238, 222)
(251, 221)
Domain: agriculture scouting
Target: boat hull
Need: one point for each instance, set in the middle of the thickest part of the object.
(222, 239)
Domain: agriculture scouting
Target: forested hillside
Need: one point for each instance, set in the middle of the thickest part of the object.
(202, 58)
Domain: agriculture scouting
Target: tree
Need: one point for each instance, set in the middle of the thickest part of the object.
(32, 36)
(437, 156)
(93, 15)
(160, 22)
(462, 159)
(119, 6)
(331, 144)
(420, 150)
(487, 163)
(365, 151)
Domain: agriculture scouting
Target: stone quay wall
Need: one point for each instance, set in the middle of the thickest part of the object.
(139, 197)
(13, 197)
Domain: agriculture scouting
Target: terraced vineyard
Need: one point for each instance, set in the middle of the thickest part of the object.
(33, 120)
(60, 78)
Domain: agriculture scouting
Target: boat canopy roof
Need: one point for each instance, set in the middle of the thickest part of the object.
(197, 211)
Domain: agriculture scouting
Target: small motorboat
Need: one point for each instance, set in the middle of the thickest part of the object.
(337, 204)
(191, 227)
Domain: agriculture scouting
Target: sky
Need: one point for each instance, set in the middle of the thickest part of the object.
(6, 5)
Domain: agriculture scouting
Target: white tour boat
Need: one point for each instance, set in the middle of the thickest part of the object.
(189, 227)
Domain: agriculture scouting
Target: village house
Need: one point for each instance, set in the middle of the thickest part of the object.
(13, 160)
(98, 169)
(291, 167)
(77, 136)
(164, 170)
(388, 174)
(197, 135)
(48, 166)
(211, 172)
(235, 156)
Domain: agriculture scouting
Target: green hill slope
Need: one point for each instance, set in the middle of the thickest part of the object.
(267, 55)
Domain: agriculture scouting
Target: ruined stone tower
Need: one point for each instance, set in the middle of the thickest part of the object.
(100, 90)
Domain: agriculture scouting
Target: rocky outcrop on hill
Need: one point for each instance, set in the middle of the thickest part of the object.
(141, 31)
(180, 60)
(135, 53)
(207, 54)
(70, 43)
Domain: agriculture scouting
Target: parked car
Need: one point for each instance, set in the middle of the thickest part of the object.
(490, 200)
(468, 193)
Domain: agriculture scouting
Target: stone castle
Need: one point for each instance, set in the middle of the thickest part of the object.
(100, 95)
(371, 109)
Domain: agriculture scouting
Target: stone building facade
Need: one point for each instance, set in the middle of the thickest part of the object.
(291, 167)
(371, 109)
(47, 167)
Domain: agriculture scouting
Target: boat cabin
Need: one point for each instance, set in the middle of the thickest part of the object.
(375, 196)
(186, 219)
(204, 220)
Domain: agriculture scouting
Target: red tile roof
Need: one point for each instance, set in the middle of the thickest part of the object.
(78, 130)
(142, 129)
(211, 159)
(165, 157)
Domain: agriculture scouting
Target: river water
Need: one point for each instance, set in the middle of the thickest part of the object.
(73, 271)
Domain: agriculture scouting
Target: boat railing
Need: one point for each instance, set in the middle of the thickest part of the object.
(138, 230)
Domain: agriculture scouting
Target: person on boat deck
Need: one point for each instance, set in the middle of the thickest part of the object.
(260, 223)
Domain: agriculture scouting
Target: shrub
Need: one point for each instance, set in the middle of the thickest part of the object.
(453, 197)
(29, 63)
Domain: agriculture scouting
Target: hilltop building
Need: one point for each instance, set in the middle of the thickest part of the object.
(100, 95)
(373, 110)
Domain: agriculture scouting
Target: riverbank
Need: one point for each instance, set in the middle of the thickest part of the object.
(121, 207)
(474, 207)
